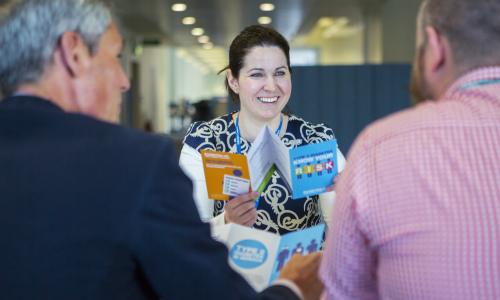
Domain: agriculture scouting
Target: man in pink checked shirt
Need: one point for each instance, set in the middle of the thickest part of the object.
(418, 206)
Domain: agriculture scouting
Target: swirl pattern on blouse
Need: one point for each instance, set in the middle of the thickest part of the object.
(277, 211)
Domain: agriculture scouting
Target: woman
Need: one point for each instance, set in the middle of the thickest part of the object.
(259, 78)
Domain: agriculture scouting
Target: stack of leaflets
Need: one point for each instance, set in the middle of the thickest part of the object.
(307, 170)
(259, 255)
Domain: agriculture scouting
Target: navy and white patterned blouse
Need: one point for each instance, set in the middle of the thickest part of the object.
(277, 211)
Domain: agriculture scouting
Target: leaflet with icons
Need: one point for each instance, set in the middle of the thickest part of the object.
(226, 174)
(307, 170)
(259, 256)
(313, 168)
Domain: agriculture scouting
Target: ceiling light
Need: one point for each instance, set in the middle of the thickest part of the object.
(197, 31)
(179, 7)
(336, 26)
(188, 20)
(342, 21)
(266, 7)
(264, 20)
(138, 51)
(208, 46)
(325, 21)
(203, 39)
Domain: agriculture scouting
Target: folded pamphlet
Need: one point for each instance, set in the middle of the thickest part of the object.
(259, 255)
(307, 170)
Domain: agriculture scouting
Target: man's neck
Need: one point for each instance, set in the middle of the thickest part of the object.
(50, 89)
(250, 127)
(33, 91)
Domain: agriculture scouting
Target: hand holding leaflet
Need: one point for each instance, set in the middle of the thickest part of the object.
(306, 170)
(241, 209)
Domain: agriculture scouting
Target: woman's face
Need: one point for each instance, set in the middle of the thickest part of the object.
(264, 83)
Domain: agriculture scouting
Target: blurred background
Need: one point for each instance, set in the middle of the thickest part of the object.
(350, 59)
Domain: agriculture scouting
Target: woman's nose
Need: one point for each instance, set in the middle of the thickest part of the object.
(270, 84)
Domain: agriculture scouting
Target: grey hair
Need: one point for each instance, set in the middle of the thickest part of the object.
(30, 31)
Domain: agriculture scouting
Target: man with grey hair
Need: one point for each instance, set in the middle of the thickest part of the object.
(418, 207)
(89, 209)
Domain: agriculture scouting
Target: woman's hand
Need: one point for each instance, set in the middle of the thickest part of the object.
(241, 209)
(331, 188)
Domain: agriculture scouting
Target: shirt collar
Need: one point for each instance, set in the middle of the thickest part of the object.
(480, 74)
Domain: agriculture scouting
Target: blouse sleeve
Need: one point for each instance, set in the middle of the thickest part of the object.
(198, 137)
(190, 162)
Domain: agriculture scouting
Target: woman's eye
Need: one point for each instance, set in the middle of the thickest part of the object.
(280, 73)
(256, 75)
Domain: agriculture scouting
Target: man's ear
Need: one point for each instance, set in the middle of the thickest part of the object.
(437, 50)
(75, 54)
(232, 81)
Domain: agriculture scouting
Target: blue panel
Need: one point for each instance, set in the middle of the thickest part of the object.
(347, 98)
(365, 87)
(305, 90)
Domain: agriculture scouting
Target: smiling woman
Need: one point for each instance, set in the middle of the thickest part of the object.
(259, 78)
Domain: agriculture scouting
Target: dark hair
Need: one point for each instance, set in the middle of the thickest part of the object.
(471, 26)
(252, 36)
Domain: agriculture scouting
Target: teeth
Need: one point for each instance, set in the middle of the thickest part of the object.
(268, 99)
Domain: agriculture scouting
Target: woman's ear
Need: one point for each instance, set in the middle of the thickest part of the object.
(233, 82)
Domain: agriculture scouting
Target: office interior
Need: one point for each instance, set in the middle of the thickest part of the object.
(350, 59)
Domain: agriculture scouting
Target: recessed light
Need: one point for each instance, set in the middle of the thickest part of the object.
(197, 31)
(264, 20)
(203, 39)
(326, 21)
(179, 7)
(342, 21)
(208, 46)
(138, 51)
(266, 7)
(188, 20)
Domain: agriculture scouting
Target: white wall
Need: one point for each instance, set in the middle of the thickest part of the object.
(191, 81)
(155, 86)
(165, 78)
(346, 50)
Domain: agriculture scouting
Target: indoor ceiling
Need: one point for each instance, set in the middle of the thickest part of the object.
(221, 20)
(304, 22)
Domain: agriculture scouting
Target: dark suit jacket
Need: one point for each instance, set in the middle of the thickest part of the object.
(91, 210)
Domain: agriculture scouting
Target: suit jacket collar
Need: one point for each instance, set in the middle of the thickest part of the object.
(28, 101)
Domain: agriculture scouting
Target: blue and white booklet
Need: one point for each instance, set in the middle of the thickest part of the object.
(313, 168)
(307, 170)
(259, 255)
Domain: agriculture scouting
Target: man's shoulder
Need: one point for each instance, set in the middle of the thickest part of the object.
(407, 121)
(127, 139)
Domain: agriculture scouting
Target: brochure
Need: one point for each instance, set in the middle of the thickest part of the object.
(226, 174)
(307, 170)
(313, 167)
(259, 255)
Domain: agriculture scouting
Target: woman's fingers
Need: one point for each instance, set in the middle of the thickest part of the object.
(241, 209)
